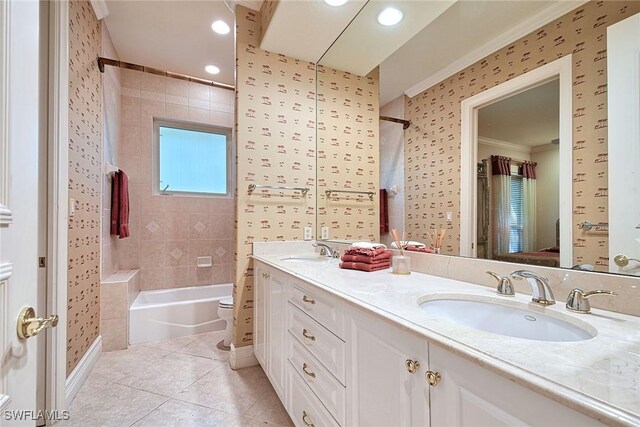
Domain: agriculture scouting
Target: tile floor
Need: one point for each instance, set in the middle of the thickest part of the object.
(179, 382)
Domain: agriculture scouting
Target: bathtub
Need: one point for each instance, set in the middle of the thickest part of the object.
(172, 313)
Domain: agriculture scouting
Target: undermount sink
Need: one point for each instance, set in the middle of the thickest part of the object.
(513, 319)
(305, 258)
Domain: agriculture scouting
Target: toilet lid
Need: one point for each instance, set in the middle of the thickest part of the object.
(226, 302)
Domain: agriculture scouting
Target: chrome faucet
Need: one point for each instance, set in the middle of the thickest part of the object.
(541, 292)
(577, 300)
(325, 250)
(505, 287)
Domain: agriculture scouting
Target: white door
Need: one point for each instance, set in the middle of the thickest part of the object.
(623, 68)
(19, 119)
(386, 366)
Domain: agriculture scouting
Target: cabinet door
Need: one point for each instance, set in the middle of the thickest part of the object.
(469, 395)
(260, 279)
(381, 390)
(276, 331)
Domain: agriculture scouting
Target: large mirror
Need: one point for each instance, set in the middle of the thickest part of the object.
(514, 141)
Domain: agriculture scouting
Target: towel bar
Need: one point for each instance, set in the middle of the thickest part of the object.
(253, 187)
(368, 193)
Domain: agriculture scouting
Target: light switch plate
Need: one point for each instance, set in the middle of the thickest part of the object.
(308, 233)
(324, 233)
(72, 207)
(449, 216)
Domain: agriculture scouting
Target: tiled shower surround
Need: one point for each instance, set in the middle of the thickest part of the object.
(169, 232)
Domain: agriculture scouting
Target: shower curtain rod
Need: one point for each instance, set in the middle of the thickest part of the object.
(121, 64)
(405, 123)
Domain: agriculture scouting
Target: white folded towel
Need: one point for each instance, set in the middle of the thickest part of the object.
(408, 243)
(368, 245)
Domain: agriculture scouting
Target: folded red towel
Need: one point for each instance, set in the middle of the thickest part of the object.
(367, 259)
(365, 252)
(417, 249)
(364, 266)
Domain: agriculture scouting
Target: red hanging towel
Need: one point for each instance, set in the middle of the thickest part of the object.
(384, 212)
(120, 205)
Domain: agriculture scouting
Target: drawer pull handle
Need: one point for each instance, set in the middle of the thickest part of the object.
(308, 300)
(307, 371)
(433, 378)
(305, 419)
(307, 335)
(412, 366)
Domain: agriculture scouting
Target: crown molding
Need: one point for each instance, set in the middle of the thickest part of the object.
(527, 26)
(100, 8)
(504, 144)
(546, 147)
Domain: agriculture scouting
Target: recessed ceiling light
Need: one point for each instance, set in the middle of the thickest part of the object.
(212, 69)
(220, 27)
(335, 2)
(390, 16)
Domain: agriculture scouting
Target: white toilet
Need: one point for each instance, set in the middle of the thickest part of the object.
(225, 311)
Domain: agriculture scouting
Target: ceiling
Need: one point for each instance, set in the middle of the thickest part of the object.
(462, 28)
(366, 43)
(305, 29)
(174, 36)
(530, 118)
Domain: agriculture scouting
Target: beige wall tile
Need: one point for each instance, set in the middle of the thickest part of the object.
(130, 111)
(176, 253)
(199, 248)
(152, 226)
(152, 254)
(200, 226)
(114, 334)
(177, 277)
(152, 278)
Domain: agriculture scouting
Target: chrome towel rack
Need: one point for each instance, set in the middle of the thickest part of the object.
(367, 193)
(588, 225)
(253, 187)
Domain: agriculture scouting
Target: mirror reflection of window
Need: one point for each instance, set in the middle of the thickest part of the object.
(518, 179)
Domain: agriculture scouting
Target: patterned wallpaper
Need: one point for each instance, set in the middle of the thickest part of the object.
(432, 150)
(85, 153)
(275, 125)
(267, 9)
(348, 153)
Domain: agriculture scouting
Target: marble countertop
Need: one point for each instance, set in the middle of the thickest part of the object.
(599, 377)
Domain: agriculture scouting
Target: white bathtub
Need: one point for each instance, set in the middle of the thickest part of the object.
(172, 313)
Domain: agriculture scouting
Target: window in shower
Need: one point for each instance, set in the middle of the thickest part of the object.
(192, 159)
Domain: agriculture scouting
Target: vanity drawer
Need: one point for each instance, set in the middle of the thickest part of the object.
(326, 347)
(320, 306)
(330, 392)
(304, 407)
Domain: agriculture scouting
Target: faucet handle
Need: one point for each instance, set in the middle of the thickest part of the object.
(577, 300)
(505, 287)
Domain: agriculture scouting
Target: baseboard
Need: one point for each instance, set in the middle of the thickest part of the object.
(242, 357)
(79, 375)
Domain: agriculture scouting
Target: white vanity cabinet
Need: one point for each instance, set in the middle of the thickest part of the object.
(468, 395)
(386, 367)
(335, 364)
(260, 286)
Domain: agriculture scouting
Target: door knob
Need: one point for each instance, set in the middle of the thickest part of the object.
(29, 325)
(623, 260)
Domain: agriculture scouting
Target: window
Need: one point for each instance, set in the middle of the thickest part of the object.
(516, 215)
(192, 159)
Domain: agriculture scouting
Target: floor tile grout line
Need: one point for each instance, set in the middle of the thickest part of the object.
(150, 412)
